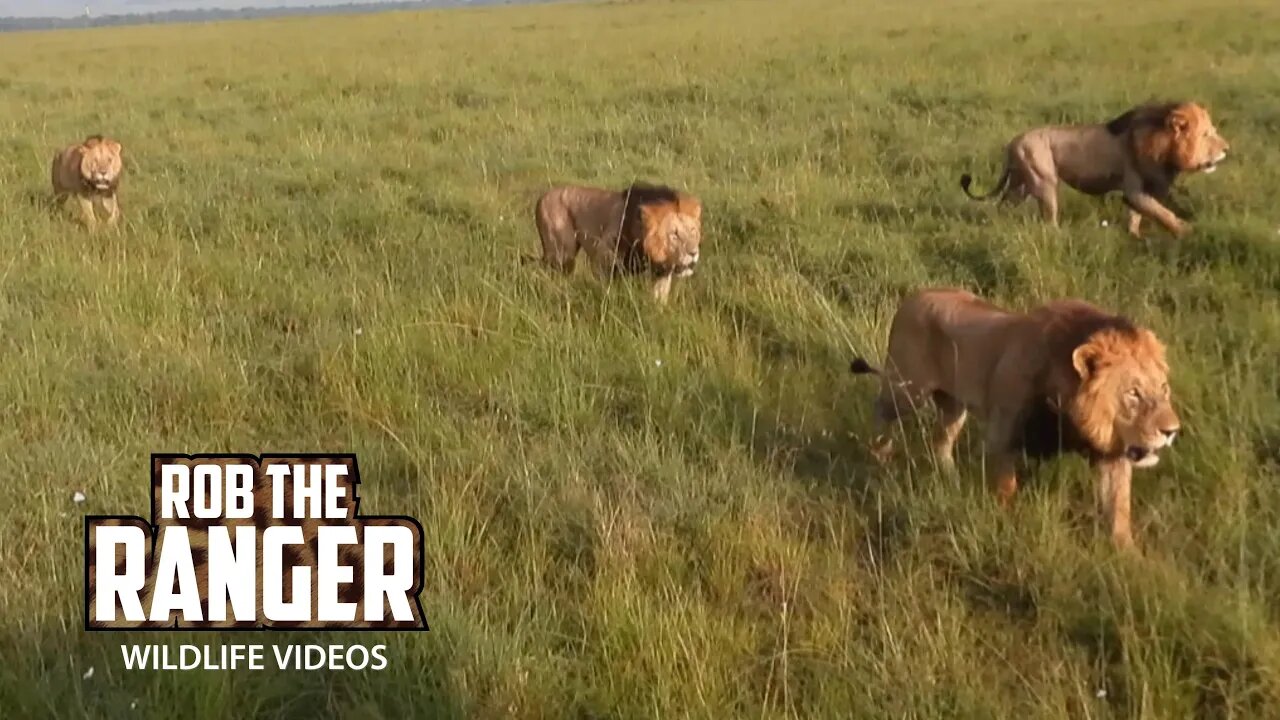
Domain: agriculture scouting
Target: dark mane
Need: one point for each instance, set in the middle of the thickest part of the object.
(645, 194)
(1047, 431)
(635, 197)
(1083, 326)
(94, 138)
(1147, 114)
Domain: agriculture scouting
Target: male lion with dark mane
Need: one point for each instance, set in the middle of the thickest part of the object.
(90, 171)
(1139, 153)
(1066, 376)
(642, 228)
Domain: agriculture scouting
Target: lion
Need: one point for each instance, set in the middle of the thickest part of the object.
(641, 228)
(1139, 153)
(91, 171)
(1063, 377)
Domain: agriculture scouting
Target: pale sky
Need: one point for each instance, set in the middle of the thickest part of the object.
(68, 8)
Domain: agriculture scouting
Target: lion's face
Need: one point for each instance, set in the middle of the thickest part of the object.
(1195, 144)
(101, 163)
(1124, 397)
(675, 237)
(683, 234)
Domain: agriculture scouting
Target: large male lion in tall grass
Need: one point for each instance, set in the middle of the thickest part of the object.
(644, 228)
(90, 171)
(1139, 153)
(1066, 376)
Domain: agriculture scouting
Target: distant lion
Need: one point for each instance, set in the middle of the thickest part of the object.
(1139, 153)
(1066, 376)
(643, 228)
(90, 171)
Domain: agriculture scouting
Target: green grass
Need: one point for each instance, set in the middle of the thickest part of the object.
(632, 512)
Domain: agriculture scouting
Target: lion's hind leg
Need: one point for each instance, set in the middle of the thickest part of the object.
(1015, 194)
(951, 418)
(559, 248)
(1046, 194)
(898, 401)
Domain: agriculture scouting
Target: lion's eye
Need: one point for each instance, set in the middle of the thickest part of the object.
(1133, 396)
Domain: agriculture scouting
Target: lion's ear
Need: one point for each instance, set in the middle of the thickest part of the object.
(115, 147)
(1155, 347)
(695, 210)
(1178, 122)
(1085, 360)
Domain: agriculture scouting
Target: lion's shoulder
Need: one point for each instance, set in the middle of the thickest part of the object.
(1068, 323)
(1146, 115)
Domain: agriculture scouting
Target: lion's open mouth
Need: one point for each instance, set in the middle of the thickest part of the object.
(1211, 165)
(685, 268)
(1141, 457)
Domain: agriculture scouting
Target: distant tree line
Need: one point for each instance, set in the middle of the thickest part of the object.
(9, 24)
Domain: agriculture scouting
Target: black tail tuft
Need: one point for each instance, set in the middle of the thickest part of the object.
(965, 181)
(862, 367)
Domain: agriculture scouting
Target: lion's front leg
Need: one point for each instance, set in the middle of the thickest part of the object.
(1001, 461)
(87, 212)
(662, 287)
(1140, 200)
(1113, 486)
(112, 206)
(1135, 223)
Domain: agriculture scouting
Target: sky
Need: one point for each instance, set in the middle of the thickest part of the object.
(69, 8)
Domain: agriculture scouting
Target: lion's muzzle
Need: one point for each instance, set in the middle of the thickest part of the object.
(687, 264)
(1212, 164)
(1147, 456)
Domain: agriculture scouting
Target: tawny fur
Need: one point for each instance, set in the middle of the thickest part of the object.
(640, 229)
(1066, 376)
(90, 171)
(1140, 153)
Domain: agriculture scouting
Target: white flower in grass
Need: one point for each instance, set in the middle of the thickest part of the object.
(1105, 223)
(78, 497)
(88, 673)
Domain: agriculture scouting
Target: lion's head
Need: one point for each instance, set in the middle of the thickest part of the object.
(100, 162)
(670, 225)
(1122, 404)
(1180, 136)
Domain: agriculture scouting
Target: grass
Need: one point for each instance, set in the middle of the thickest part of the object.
(632, 512)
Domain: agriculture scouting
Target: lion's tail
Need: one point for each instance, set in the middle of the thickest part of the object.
(966, 180)
(862, 367)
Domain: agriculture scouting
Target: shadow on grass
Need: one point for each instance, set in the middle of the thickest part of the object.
(826, 455)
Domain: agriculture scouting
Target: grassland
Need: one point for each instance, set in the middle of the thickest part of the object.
(634, 513)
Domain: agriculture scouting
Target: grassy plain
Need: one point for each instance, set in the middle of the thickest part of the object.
(630, 512)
